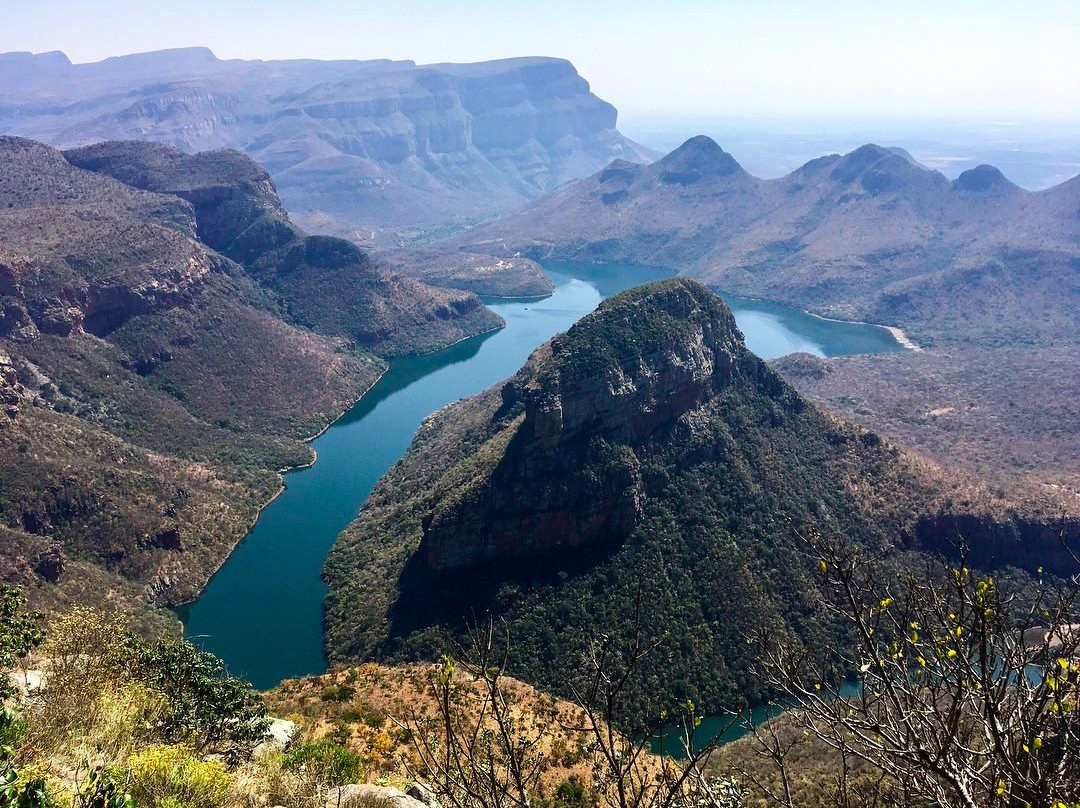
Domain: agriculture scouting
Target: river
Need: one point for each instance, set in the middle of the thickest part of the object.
(262, 611)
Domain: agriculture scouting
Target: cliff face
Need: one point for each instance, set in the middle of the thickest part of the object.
(372, 150)
(79, 254)
(570, 474)
(324, 283)
(149, 389)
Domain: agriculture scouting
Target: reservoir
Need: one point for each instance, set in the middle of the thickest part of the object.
(262, 611)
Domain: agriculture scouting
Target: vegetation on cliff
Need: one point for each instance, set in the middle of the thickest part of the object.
(168, 340)
(629, 459)
(326, 284)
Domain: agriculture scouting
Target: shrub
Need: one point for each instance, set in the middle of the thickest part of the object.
(19, 634)
(572, 793)
(206, 707)
(12, 732)
(325, 762)
(172, 777)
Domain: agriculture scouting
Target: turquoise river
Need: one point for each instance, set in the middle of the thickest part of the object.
(262, 611)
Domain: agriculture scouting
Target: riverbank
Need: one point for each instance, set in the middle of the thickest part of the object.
(272, 584)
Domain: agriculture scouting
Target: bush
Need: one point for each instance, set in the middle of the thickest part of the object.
(172, 777)
(572, 793)
(19, 634)
(206, 707)
(325, 762)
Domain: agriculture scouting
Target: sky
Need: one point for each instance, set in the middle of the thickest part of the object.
(986, 60)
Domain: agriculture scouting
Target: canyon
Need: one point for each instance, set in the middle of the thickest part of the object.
(381, 152)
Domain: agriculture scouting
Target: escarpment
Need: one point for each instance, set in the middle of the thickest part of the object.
(324, 283)
(376, 151)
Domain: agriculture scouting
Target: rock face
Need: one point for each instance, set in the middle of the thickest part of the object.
(150, 388)
(371, 796)
(356, 148)
(11, 392)
(869, 235)
(570, 475)
(85, 254)
(327, 284)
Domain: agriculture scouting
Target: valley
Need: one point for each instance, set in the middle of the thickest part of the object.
(273, 580)
(382, 425)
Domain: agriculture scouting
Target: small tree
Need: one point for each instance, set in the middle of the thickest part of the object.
(968, 689)
(20, 633)
(477, 753)
(206, 707)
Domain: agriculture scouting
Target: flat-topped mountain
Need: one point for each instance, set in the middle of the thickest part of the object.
(870, 235)
(164, 351)
(644, 456)
(356, 148)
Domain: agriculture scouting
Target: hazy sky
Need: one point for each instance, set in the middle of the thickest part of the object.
(941, 58)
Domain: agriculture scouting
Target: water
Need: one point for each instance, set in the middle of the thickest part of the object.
(728, 727)
(262, 612)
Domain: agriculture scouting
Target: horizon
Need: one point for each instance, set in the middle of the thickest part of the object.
(985, 62)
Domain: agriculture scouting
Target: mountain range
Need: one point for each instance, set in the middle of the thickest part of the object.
(377, 151)
(870, 235)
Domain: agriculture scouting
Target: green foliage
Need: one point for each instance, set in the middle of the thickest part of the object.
(364, 713)
(12, 732)
(326, 761)
(16, 792)
(572, 793)
(338, 693)
(206, 707)
(173, 777)
(106, 788)
(20, 633)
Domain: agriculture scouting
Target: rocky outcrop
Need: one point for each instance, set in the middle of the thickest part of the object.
(1016, 540)
(371, 796)
(622, 383)
(11, 392)
(82, 253)
(325, 283)
(374, 150)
